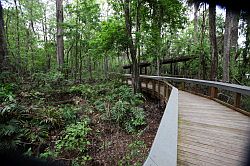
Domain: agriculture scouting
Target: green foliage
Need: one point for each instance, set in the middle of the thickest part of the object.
(135, 151)
(120, 106)
(48, 80)
(74, 139)
(10, 129)
(6, 92)
(34, 133)
(51, 117)
(86, 90)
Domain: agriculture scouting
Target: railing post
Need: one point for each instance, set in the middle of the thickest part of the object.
(165, 92)
(237, 100)
(153, 88)
(159, 89)
(213, 92)
(182, 86)
(141, 81)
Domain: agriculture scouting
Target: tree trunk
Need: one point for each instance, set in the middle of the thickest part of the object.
(213, 41)
(135, 67)
(80, 57)
(202, 68)
(234, 32)
(106, 66)
(59, 37)
(46, 45)
(196, 7)
(90, 68)
(3, 45)
(226, 52)
(18, 39)
(158, 66)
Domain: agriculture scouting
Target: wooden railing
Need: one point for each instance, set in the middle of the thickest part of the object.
(213, 89)
(164, 147)
(157, 88)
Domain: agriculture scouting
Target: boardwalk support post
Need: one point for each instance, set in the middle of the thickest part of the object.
(159, 89)
(182, 86)
(213, 92)
(237, 100)
(165, 92)
(153, 83)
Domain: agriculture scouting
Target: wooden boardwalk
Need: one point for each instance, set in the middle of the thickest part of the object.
(210, 133)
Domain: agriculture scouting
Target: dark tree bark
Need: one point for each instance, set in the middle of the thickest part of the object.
(59, 38)
(213, 41)
(3, 45)
(226, 51)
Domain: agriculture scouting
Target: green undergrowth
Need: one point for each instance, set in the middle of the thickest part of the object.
(51, 118)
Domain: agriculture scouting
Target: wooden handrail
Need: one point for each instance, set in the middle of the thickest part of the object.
(226, 86)
(239, 90)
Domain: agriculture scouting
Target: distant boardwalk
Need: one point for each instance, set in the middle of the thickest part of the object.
(210, 133)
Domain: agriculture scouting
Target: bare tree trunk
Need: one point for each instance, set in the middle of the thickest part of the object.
(106, 67)
(135, 67)
(76, 56)
(18, 39)
(196, 7)
(158, 65)
(3, 45)
(226, 54)
(234, 33)
(59, 38)
(202, 68)
(80, 57)
(90, 68)
(46, 45)
(213, 41)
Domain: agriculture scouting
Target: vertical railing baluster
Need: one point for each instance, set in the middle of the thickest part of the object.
(237, 100)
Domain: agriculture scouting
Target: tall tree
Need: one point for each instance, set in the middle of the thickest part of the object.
(213, 40)
(3, 45)
(226, 51)
(131, 44)
(230, 40)
(202, 65)
(19, 60)
(196, 8)
(59, 37)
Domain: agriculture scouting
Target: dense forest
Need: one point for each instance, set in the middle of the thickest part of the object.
(61, 97)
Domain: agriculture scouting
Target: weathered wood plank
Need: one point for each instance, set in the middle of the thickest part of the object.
(210, 133)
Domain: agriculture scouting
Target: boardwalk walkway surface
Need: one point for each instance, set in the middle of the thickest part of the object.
(210, 133)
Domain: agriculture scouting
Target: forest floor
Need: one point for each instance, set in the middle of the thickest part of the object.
(114, 144)
(92, 123)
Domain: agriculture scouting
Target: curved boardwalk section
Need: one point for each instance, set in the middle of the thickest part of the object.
(210, 133)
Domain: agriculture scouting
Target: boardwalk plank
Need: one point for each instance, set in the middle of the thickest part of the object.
(210, 133)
